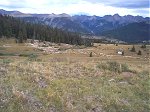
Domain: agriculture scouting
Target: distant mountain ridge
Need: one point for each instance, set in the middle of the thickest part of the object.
(83, 24)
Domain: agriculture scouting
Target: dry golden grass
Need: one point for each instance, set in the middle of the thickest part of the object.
(72, 81)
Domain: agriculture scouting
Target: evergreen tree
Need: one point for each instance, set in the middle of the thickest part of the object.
(139, 52)
(12, 27)
(91, 55)
(133, 49)
(123, 53)
(24, 33)
(20, 37)
(143, 46)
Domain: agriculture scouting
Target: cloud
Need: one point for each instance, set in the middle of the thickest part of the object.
(91, 7)
(13, 4)
(131, 4)
(142, 11)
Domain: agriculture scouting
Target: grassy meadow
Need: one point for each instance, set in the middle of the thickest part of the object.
(66, 78)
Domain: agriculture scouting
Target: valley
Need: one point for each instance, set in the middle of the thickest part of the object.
(74, 63)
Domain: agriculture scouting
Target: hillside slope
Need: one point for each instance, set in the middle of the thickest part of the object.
(134, 32)
(127, 28)
(12, 27)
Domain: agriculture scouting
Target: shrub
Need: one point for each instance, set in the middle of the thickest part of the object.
(124, 68)
(114, 67)
(91, 55)
(102, 66)
(122, 52)
(144, 75)
(32, 57)
(24, 55)
(7, 54)
(143, 46)
(133, 49)
(139, 52)
(6, 61)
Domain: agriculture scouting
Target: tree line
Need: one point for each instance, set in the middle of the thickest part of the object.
(12, 27)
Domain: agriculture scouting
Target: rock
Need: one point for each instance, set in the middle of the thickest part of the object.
(123, 82)
(111, 80)
(52, 109)
(97, 109)
(127, 74)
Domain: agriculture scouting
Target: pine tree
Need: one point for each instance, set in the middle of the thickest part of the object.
(139, 52)
(24, 33)
(123, 53)
(91, 55)
(133, 49)
(20, 37)
(143, 46)
(12, 27)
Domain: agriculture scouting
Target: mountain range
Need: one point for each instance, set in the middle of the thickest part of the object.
(127, 28)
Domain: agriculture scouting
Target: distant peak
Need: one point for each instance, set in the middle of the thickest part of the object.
(58, 15)
(64, 15)
(116, 15)
(2, 10)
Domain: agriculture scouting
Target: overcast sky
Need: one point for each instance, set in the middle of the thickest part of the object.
(89, 7)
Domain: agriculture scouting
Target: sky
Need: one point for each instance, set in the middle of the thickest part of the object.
(81, 7)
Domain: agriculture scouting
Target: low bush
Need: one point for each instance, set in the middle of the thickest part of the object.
(125, 68)
(24, 55)
(6, 61)
(139, 53)
(102, 66)
(32, 57)
(114, 67)
(143, 46)
(91, 55)
(133, 49)
(7, 54)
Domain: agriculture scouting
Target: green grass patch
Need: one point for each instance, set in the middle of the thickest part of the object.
(2, 48)
(7, 54)
(5, 61)
(31, 56)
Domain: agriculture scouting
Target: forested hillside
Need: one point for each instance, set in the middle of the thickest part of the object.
(12, 27)
(134, 32)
